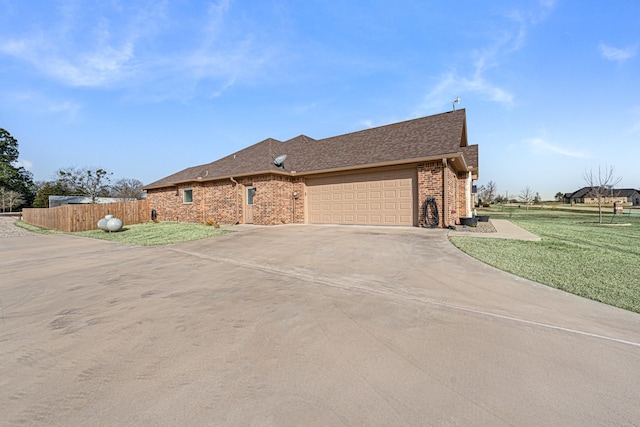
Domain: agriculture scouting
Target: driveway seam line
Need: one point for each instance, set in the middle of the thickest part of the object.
(406, 297)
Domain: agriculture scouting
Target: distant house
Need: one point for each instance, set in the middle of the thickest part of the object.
(55, 201)
(585, 195)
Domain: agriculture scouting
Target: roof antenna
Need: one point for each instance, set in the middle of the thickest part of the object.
(455, 101)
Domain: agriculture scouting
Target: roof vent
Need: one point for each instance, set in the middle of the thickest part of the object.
(279, 161)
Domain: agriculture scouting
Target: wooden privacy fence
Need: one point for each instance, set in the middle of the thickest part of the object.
(85, 217)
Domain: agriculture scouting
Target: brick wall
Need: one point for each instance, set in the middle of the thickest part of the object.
(452, 196)
(169, 206)
(462, 195)
(430, 183)
(223, 202)
(274, 202)
(220, 199)
(298, 186)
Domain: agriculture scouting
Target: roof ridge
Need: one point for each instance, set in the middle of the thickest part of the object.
(398, 124)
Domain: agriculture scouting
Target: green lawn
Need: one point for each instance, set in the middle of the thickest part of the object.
(594, 261)
(147, 234)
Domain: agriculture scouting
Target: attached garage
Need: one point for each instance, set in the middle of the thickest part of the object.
(371, 198)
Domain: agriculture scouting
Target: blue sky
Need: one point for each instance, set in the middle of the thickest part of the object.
(147, 88)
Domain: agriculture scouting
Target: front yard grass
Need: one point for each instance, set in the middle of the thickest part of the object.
(599, 262)
(147, 234)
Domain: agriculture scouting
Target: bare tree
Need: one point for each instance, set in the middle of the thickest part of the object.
(488, 192)
(9, 199)
(526, 196)
(601, 185)
(127, 188)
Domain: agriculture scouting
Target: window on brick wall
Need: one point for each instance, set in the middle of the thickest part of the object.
(187, 196)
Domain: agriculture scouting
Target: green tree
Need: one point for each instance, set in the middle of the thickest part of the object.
(51, 188)
(12, 177)
(559, 196)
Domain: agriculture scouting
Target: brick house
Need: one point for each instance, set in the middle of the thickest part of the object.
(379, 176)
(586, 195)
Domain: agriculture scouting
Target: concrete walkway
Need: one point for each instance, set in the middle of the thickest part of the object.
(505, 229)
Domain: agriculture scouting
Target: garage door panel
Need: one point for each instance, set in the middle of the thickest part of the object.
(385, 198)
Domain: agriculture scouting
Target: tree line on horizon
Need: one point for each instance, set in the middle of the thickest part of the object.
(18, 189)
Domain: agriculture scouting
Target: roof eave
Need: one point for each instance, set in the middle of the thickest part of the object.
(383, 164)
(461, 166)
(219, 178)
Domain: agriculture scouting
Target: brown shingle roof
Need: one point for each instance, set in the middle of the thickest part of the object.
(439, 135)
(470, 154)
(589, 192)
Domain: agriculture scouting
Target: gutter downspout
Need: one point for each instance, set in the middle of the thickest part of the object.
(203, 203)
(237, 208)
(467, 191)
(445, 196)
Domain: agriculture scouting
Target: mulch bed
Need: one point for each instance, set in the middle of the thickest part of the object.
(483, 227)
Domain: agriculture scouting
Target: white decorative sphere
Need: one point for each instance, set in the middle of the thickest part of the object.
(102, 224)
(114, 224)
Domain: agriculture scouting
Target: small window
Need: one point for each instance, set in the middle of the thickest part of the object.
(250, 193)
(187, 196)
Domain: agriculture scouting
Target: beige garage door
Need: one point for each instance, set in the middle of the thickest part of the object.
(379, 198)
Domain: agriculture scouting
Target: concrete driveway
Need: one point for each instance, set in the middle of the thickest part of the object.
(301, 325)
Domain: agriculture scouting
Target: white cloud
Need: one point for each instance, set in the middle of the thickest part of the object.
(509, 39)
(96, 67)
(143, 48)
(36, 102)
(24, 163)
(540, 144)
(451, 85)
(617, 54)
(66, 107)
